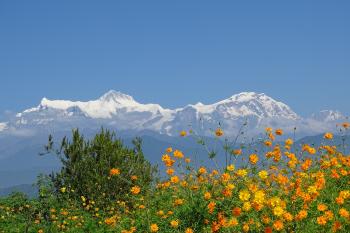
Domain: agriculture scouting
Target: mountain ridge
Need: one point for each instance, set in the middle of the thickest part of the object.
(117, 110)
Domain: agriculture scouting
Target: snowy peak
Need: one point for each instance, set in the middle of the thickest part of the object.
(118, 97)
(328, 115)
(260, 105)
(120, 111)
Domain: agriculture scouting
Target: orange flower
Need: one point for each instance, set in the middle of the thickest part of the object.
(154, 228)
(344, 213)
(237, 152)
(328, 136)
(322, 220)
(178, 154)
(202, 170)
(114, 172)
(346, 125)
(253, 158)
(301, 215)
(174, 223)
(279, 132)
(236, 211)
(219, 132)
(211, 207)
(322, 207)
(278, 225)
(169, 149)
(336, 226)
(135, 190)
(170, 171)
(268, 143)
(174, 179)
(268, 230)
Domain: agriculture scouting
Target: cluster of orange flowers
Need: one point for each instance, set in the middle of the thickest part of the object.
(294, 190)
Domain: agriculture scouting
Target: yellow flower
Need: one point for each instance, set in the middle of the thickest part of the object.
(247, 206)
(263, 174)
(174, 223)
(189, 230)
(202, 170)
(114, 172)
(259, 197)
(178, 202)
(312, 189)
(328, 136)
(160, 213)
(183, 133)
(187, 160)
(219, 132)
(230, 167)
(289, 142)
(245, 227)
(154, 227)
(207, 195)
(169, 150)
(278, 211)
(268, 129)
(244, 195)
(63, 189)
(242, 172)
(135, 190)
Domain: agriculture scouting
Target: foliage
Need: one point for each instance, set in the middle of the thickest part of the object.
(100, 170)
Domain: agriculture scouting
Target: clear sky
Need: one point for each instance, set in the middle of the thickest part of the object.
(176, 52)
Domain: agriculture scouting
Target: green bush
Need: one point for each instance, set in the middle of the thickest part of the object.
(86, 166)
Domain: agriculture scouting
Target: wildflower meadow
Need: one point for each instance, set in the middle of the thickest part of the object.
(106, 187)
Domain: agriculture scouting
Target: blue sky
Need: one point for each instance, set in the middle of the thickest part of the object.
(176, 52)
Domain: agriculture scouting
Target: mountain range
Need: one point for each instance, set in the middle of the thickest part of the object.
(23, 135)
(122, 112)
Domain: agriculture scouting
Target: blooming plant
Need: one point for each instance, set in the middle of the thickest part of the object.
(282, 188)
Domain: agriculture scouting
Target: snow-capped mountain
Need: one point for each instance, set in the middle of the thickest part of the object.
(120, 111)
(327, 116)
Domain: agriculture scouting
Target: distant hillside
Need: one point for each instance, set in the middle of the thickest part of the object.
(28, 189)
(24, 164)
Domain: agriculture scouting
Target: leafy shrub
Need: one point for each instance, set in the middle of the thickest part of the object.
(100, 170)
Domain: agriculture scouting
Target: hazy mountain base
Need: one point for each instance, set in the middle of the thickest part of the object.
(19, 170)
